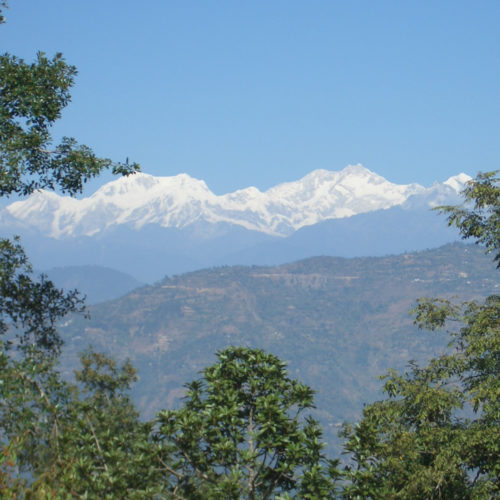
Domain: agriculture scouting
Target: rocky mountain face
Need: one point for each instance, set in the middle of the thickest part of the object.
(149, 226)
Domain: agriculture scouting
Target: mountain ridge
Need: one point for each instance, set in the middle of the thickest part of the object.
(124, 225)
(180, 201)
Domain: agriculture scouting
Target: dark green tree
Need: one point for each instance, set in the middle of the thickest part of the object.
(36, 406)
(437, 435)
(30, 307)
(32, 395)
(32, 98)
(479, 216)
(241, 433)
(101, 449)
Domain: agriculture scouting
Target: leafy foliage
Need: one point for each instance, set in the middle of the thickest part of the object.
(33, 398)
(32, 97)
(30, 393)
(89, 444)
(54, 442)
(437, 433)
(103, 450)
(241, 434)
(31, 307)
(3, 5)
(479, 216)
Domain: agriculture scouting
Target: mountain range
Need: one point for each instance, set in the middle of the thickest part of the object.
(151, 226)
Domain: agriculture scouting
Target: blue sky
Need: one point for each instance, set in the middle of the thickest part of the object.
(243, 93)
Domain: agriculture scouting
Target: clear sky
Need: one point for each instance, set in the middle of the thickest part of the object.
(241, 93)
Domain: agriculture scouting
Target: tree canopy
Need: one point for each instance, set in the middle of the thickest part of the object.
(32, 98)
(241, 433)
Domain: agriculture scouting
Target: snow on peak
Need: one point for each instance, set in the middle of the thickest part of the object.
(145, 185)
(181, 200)
(458, 182)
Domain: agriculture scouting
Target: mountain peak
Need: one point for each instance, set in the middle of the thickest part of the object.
(181, 200)
(321, 174)
(357, 169)
(458, 182)
(126, 184)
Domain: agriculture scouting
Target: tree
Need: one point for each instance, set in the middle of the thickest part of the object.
(32, 97)
(241, 433)
(36, 405)
(101, 449)
(479, 216)
(30, 308)
(437, 435)
(33, 398)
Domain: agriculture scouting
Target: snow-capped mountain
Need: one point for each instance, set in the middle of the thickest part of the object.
(181, 201)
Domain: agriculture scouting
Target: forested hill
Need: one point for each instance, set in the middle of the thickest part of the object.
(337, 322)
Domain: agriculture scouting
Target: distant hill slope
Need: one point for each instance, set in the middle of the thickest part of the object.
(339, 323)
(98, 284)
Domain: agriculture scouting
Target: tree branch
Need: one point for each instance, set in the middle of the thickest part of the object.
(97, 443)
